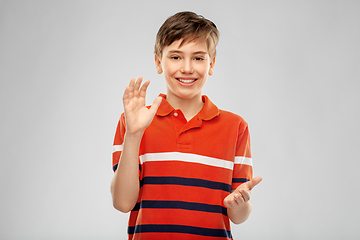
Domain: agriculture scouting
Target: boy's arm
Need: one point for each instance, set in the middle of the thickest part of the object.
(125, 183)
(238, 201)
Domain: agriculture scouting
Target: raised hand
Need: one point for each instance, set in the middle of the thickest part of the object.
(137, 116)
(241, 194)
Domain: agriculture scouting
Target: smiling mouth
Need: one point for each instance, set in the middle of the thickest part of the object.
(186, 80)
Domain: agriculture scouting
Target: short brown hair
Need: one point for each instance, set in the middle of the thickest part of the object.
(187, 26)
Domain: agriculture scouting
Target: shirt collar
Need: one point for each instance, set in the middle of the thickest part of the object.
(208, 112)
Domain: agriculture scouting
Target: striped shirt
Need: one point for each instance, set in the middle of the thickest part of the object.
(186, 169)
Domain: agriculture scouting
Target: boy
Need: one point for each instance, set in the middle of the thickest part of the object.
(182, 166)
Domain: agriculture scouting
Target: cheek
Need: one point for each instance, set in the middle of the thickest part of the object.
(169, 70)
(203, 69)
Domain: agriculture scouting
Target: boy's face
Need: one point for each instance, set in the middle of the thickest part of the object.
(185, 68)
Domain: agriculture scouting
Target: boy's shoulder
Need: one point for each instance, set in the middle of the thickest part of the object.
(230, 114)
(231, 117)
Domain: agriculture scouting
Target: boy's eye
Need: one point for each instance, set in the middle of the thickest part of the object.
(199, 58)
(175, 57)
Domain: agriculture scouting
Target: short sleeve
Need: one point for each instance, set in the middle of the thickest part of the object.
(243, 170)
(118, 142)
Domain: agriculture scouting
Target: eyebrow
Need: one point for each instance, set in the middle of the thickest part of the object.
(198, 52)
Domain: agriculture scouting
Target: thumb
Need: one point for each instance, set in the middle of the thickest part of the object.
(253, 182)
(154, 107)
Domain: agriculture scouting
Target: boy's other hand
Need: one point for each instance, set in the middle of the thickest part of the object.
(137, 116)
(241, 194)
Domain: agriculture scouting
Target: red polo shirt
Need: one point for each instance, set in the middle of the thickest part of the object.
(186, 169)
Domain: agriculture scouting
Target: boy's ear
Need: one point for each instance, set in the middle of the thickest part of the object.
(211, 69)
(158, 65)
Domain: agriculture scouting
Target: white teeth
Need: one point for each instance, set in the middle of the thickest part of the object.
(186, 81)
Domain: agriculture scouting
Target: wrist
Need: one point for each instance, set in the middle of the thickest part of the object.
(137, 136)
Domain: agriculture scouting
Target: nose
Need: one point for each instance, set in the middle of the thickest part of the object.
(186, 67)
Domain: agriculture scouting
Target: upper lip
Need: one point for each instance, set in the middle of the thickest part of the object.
(186, 78)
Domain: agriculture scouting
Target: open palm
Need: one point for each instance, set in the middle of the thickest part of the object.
(137, 116)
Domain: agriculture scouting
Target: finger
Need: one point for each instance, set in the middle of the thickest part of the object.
(137, 86)
(229, 201)
(131, 88)
(128, 90)
(126, 95)
(238, 198)
(144, 88)
(253, 182)
(245, 195)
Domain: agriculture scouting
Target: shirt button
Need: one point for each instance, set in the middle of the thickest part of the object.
(176, 114)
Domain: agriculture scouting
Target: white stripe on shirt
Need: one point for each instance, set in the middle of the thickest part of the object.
(243, 160)
(186, 157)
(189, 157)
(117, 148)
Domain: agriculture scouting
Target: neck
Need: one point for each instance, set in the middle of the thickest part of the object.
(189, 107)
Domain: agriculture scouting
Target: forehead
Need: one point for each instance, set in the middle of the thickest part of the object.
(196, 45)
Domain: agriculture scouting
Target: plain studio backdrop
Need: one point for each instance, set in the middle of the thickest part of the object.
(290, 68)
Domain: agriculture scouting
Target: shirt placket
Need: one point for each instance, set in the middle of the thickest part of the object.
(183, 130)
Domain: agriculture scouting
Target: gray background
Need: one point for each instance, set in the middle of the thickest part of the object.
(290, 68)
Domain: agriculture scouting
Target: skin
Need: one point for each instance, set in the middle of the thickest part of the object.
(238, 201)
(125, 183)
(189, 62)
